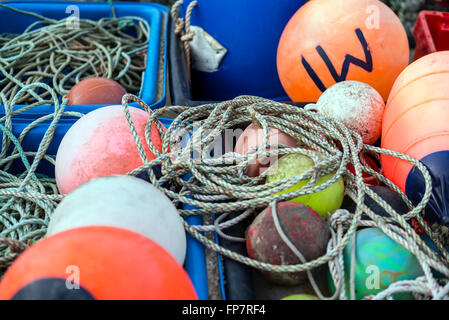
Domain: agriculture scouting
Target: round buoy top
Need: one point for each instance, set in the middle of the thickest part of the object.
(127, 202)
(108, 263)
(433, 63)
(358, 105)
(300, 296)
(96, 90)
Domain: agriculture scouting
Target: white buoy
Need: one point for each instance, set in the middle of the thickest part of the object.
(359, 106)
(126, 202)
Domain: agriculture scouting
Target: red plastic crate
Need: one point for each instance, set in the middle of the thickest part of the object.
(441, 3)
(431, 32)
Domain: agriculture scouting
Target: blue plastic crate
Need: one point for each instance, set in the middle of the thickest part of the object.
(152, 92)
(250, 30)
(195, 263)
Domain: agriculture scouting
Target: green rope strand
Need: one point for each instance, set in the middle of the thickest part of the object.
(49, 52)
(28, 199)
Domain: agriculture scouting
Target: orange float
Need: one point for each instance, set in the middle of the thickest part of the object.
(329, 41)
(415, 123)
(102, 263)
(96, 91)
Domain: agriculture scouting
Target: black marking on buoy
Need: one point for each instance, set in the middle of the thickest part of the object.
(52, 289)
(313, 74)
(366, 65)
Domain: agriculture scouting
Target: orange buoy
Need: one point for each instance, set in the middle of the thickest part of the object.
(329, 41)
(415, 123)
(103, 263)
(95, 91)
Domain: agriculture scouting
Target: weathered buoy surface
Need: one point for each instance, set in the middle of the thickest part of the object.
(379, 262)
(101, 144)
(95, 91)
(125, 202)
(104, 263)
(357, 105)
(307, 231)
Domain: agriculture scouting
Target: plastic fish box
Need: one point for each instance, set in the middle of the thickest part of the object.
(153, 88)
(195, 264)
(250, 31)
(431, 32)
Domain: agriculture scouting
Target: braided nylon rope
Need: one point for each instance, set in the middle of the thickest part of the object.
(53, 52)
(27, 199)
(219, 185)
(182, 28)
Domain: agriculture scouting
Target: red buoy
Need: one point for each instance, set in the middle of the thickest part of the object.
(103, 263)
(307, 231)
(96, 91)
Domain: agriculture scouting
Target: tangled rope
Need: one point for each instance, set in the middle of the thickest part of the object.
(56, 53)
(27, 198)
(220, 185)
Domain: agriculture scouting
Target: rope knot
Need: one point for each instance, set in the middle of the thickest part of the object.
(15, 246)
(179, 26)
(188, 36)
(339, 217)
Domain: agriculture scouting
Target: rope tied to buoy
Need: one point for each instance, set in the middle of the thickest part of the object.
(53, 52)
